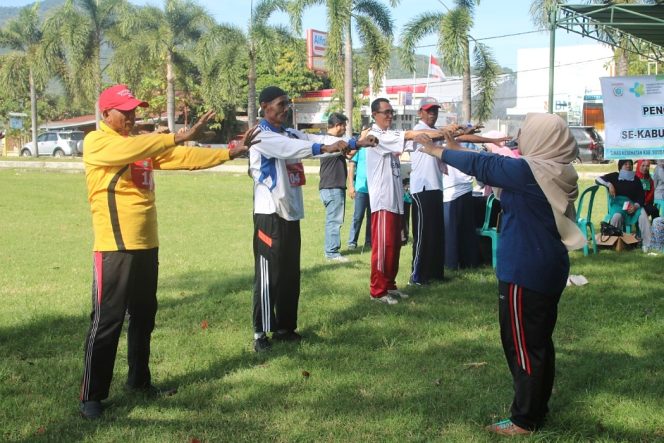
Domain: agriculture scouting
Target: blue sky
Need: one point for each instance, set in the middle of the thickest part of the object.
(493, 18)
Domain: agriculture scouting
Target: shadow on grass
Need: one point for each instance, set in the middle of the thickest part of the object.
(429, 366)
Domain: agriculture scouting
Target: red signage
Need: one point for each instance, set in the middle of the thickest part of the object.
(316, 47)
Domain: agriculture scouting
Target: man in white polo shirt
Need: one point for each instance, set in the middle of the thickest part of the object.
(426, 187)
(386, 199)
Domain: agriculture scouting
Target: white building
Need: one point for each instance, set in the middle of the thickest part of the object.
(577, 73)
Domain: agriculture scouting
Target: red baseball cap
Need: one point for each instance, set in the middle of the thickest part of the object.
(119, 97)
(429, 102)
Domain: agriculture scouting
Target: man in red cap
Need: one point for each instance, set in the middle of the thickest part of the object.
(426, 188)
(118, 174)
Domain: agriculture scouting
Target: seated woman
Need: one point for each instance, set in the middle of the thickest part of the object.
(658, 181)
(624, 183)
(643, 174)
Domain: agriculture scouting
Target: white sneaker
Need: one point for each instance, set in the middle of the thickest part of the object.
(387, 299)
(338, 259)
(397, 293)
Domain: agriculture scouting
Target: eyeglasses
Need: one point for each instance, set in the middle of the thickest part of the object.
(386, 112)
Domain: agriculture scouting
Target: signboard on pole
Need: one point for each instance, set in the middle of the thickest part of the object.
(16, 119)
(316, 47)
(634, 117)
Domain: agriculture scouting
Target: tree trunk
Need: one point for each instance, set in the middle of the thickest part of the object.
(33, 111)
(348, 79)
(251, 104)
(98, 83)
(170, 92)
(622, 63)
(466, 86)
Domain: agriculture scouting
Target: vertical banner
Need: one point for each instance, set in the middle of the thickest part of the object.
(634, 117)
(316, 47)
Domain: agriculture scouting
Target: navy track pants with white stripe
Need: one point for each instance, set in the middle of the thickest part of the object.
(428, 236)
(123, 281)
(277, 273)
(527, 320)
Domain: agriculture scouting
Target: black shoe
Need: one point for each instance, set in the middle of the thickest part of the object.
(262, 344)
(286, 336)
(152, 390)
(91, 409)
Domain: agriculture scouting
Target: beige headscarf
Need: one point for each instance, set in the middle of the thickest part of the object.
(547, 145)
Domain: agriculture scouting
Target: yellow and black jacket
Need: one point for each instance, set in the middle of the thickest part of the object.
(119, 178)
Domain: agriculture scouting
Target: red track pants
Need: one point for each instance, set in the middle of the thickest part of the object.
(385, 249)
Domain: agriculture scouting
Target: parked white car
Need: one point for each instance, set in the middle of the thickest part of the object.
(56, 144)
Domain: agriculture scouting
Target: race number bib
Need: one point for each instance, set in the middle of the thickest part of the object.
(296, 175)
(141, 174)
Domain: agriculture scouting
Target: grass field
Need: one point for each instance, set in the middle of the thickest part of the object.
(428, 369)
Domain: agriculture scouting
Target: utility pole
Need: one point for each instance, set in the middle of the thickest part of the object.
(552, 54)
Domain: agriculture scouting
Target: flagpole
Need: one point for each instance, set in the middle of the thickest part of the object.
(428, 73)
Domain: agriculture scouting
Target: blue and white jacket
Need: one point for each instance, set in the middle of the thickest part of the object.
(275, 166)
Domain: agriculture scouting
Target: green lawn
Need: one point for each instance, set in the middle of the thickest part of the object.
(428, 369)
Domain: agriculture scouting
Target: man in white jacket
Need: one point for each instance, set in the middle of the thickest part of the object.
(278, 175)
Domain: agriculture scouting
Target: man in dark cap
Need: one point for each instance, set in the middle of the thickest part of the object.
(276, 167)
(118, 174)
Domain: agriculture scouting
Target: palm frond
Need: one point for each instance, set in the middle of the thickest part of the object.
(265, 8)
(468, 5)
(295, 9)
(454, 44)
(540, 10)
(378, 12)
(187, 20)
(416, 29)
(377, 46)
(14, 72)
(339, 22)
(486, 83)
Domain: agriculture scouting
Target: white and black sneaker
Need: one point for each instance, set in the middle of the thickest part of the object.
(386, 299)
(262, 344)
(395, 293)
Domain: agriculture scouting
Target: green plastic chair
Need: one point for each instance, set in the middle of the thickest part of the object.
(585, 222)
(487, 231)
(615, 205)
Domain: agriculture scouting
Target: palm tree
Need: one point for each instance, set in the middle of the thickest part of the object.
(27, 67)
(222, 70)
(84, 27)
(373, 24)
(453, 32)
(149, 35)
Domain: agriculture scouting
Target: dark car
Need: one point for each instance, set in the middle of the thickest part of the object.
(589, 143)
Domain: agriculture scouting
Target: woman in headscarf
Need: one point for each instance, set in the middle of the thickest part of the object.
(658, 180)
(536, 231)
(624, 183)
(648, 185)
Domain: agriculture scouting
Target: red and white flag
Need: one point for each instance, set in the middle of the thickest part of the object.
(434, 68)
